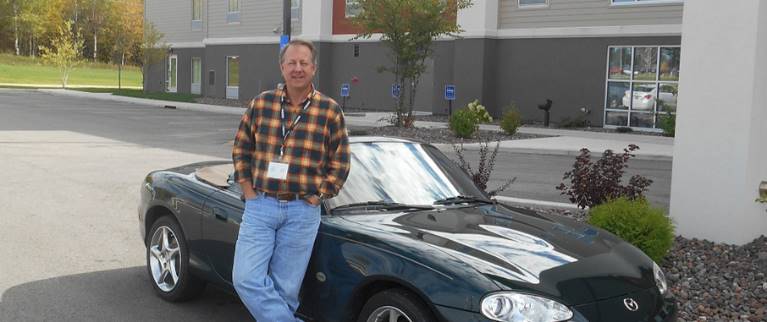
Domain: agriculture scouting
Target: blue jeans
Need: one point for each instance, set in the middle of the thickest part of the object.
(271, 255)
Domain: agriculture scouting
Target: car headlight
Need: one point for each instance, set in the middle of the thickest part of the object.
(660, 279)
(512, 307)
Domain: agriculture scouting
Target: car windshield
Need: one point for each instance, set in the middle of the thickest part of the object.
(403, 173)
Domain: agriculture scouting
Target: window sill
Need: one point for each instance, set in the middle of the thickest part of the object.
(646, 4)
(533, 6)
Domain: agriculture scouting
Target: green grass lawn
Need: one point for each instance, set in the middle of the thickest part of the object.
(176, 97)
(18, 70)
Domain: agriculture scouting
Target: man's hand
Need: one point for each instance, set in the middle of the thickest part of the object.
(247, 191)
(312, 200)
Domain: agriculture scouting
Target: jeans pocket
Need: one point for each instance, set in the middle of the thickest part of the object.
(307, 203)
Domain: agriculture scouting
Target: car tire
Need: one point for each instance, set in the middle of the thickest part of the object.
(406, 305)
(167, 262)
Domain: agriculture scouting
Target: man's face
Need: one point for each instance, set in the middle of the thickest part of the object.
(298, 67)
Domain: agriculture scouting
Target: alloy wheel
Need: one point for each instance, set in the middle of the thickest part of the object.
(164, 259)
(388, 314)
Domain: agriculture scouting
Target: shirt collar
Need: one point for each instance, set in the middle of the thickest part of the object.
(283, 93)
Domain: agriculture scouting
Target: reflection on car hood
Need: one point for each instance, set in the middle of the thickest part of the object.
(521, 250)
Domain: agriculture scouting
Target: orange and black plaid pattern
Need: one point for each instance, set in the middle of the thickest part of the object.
(317, 149)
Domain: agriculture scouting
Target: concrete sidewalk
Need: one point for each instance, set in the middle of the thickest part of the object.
(562, 142)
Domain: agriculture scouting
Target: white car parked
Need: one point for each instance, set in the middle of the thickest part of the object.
(645, 96)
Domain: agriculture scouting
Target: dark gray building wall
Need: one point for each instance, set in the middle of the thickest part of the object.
(470, 66)
(373, 88)
(569, 71)
(259, 69)
(442, 75)
(184, 78)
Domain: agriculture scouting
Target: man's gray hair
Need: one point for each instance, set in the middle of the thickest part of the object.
(299, 42)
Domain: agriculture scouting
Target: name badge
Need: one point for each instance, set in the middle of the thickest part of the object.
(278, 170)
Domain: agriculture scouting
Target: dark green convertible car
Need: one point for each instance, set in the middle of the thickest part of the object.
(410, 238)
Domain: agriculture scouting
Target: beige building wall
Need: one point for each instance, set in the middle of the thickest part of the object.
(587, 13)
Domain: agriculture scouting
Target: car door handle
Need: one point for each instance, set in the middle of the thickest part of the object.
(219, 216)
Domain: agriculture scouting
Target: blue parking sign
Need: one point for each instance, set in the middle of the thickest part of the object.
(345, 90)
(396, 89)
(450, 92)
(284, 40)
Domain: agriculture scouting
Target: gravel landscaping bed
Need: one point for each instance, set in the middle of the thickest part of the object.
(711, 282)
(441, 135)
(444, 119)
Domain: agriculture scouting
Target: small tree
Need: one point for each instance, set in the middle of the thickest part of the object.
(65, 51)
(408, 28)
(153, 49)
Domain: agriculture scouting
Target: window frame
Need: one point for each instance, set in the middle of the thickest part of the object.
(655, 112)
(172, 58)
(192, 83)
(233, 16)
(520, 5)
(197, 8)
(228, 87)
(645, 2)
(295, 10)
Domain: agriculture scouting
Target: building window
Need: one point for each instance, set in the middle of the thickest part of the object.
(353, 8)
(640, 2)
(533, 3)
(356, 50)
(196, 75)
(172, 76)
(196, 15)
(233, 13)
(642, 82)
(232, 77)
(295, 9)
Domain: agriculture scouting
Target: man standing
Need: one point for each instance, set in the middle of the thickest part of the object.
(290, 152)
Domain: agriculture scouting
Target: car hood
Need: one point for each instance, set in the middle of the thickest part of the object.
(520, 250)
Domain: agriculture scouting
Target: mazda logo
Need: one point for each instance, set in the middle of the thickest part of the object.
(630, 304)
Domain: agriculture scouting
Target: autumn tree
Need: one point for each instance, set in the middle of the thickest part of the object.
(64, 51)
(153, 49)
(408, 28)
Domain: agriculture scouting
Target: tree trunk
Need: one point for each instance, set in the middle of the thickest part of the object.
(16, 27)
(414, 85)
(120, 71)
(95, 45)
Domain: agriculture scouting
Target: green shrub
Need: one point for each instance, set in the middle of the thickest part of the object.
(463, 123)
(636, 222)
(479, 112)
(667, 122)
(511, 120)
(574, 122)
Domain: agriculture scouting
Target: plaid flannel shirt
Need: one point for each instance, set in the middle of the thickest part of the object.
(317, 149)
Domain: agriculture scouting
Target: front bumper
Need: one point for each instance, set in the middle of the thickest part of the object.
(651, 307)
(449, 314)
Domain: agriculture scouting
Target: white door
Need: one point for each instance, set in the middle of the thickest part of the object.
(233, 77)
(196, 75)
(172, 78)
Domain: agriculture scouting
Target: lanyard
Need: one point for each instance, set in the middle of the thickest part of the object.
(298, 119)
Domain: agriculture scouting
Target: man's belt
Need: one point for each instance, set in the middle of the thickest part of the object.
(286, 196)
